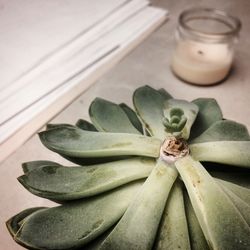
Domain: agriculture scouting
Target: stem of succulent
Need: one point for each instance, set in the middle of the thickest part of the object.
(173, 149)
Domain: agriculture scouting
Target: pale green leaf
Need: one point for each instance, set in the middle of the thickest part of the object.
(197, 238)
(149, 105)
(85, 125)
(132, 117)
(110, 117)
(79, 143)
(15, 222)
(58, 125)
(173, 230)
(31, 165)
(86, 161)
(209, 113)
(241, 192)
(236, 153)
(241, 205)
(68, 183)
(164, 93)
(222, 223)
(76, 223)
(224, 130)
(96, 243)
(138, 226)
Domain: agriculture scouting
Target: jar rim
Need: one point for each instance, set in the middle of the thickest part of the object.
(232, 22)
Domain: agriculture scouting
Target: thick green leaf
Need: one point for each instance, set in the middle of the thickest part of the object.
(138, 226)
(79, 143)
(241, 205)
(238, 178)
(58, 125)
(190, 112)
(15, 222)
(110, 117)
(236, 153)
(164, 93)
(209, 113)
(224, 130)
(197, 238)
(68, 183)
(85, 125)
(132, 117)
(241, 192)
(31, 165)
(149, 105)
(173, 230)
(222, 223)
(85, 161)
(76, 223)
(96, 243)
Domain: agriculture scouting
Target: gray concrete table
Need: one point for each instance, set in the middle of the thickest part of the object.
(147, 64)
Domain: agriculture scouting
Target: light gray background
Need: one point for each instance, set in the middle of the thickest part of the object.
(147, 64)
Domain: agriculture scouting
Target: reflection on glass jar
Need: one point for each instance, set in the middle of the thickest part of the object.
(204, 45)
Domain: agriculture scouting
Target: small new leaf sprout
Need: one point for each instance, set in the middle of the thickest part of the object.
(173, 148)
(176, 121)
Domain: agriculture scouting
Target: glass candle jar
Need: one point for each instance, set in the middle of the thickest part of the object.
(204, 49)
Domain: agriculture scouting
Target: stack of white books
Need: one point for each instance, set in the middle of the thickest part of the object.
(51, 51)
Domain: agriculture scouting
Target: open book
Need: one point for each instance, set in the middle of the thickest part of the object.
(54, 50)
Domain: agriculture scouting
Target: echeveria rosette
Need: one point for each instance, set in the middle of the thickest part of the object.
(128, 193)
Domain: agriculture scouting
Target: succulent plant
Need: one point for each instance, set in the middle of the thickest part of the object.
(170, 175)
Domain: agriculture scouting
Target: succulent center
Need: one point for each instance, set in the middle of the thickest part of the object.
(175, 121)
(173, 148)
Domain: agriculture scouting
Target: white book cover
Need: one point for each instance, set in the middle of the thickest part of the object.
(32, 31)
(46, 88)
(53, 71)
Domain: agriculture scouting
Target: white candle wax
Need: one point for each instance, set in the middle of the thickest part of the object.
(201, 63)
